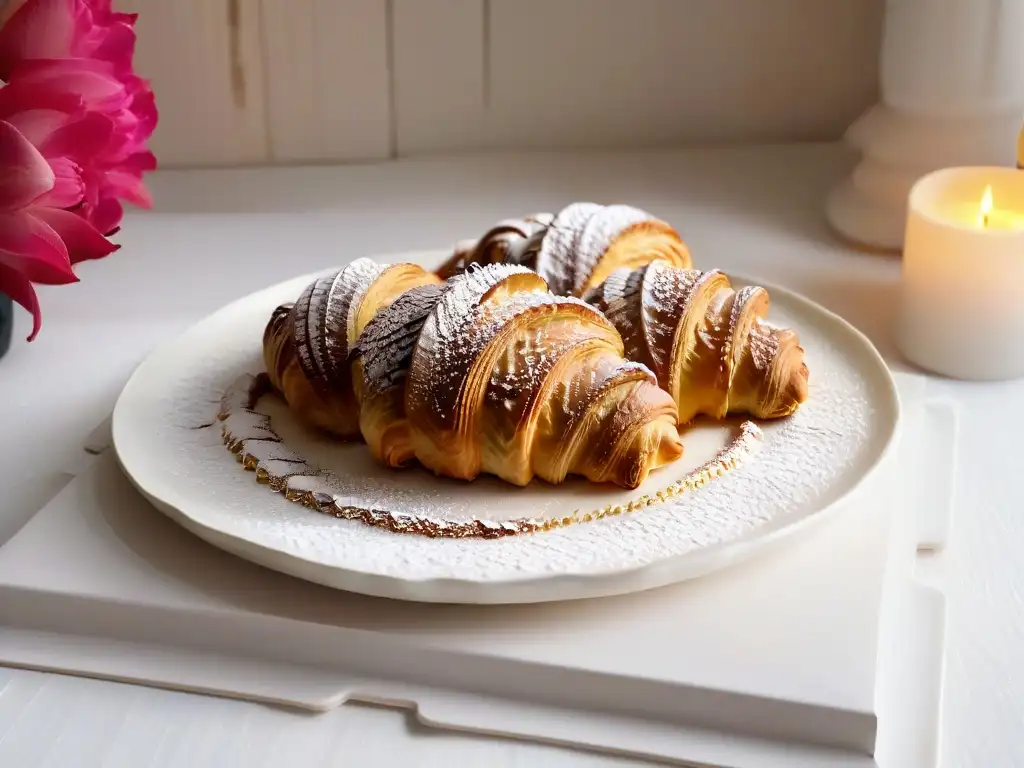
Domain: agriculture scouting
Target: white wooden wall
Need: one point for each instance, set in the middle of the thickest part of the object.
(257, 81)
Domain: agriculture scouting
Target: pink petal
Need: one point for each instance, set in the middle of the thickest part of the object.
(36, 124)
(127, 122)
(22, 236)
(63, 65)
(81, 238)
(117, 45)
(40, 29)
(19, 288)
(34, 248)
(120, 144)
(68, 189)
(82, 139)
(20, 99)
(24, 173)
(106, 214)
(143, 106)
(102, 7)
(128, 186)
(94, 81)
(92, 177)
(140, 162)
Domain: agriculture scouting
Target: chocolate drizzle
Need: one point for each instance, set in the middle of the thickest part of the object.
(386, 344)
(565, 249)
(698, 334)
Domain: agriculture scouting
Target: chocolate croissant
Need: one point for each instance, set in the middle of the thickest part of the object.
(488, 373)
(306, 345)
(494, 373)
(707, 343)
(577, 249)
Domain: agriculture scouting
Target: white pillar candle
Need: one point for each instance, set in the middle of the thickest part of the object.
(962, 289)
(952, 93)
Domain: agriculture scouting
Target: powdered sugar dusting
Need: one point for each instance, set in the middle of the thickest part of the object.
(316, 323)
(668, 293)
(452, 363)
(734, 346)
(600, 231)
(511, 241)
(248, 435)
(300, 326)
(238, 396)
(620, 297)
(564, 249)
(578, 394)
(764, 346)
(352, 281)
(809, 461)
(526, 361)
(556, 261)
(729, 327)
(242, 422)
(442, 356)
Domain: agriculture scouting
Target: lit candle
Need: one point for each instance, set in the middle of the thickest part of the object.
(962, 290)
(1020, 148)
(987, 216)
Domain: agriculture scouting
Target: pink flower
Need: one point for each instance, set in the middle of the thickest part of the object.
(54, 51)
(67, 29)
(74, 122)
(39, 241)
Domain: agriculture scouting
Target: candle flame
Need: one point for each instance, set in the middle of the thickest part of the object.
(987, 204)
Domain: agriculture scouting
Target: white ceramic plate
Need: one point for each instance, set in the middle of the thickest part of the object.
(169, 443)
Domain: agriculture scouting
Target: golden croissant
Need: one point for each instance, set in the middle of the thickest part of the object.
(306, 345)
(707, 343)
(494, 373)
(489, 372)
(577, 249)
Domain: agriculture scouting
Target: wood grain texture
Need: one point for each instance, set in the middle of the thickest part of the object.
(328, 91)
(605, 72)
(252, 81)
(206, 65)
(551, 73)
(440, 74)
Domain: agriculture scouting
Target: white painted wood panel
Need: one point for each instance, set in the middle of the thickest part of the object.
(328, 91)
(250, 81)
(612, 72)
(658, 71)
(206, 65)
(440, 74)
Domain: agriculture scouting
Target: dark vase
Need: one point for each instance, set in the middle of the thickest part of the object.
(6, 324)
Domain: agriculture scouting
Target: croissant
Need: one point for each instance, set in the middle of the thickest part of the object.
(306, 345)
(493, 373)
(707, 343)
(575, 250)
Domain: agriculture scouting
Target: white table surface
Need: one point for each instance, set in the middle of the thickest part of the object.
(218, 235)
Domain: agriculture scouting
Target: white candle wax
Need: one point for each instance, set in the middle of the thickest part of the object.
(962, 290)
(997, 218)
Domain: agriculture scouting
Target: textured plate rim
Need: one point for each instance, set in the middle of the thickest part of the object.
(529, 589)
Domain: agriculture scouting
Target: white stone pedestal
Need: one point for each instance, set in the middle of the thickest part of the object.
(952, 94)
